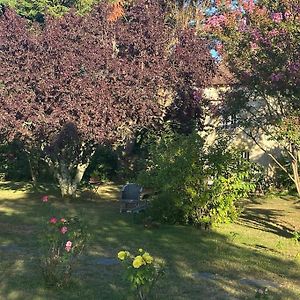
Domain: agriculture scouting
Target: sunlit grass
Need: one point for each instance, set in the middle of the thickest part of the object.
(260, 249)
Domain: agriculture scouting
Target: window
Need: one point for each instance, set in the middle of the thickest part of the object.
(229, 122)
(245, 155)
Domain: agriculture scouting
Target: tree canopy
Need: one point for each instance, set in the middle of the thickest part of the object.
(92, 79)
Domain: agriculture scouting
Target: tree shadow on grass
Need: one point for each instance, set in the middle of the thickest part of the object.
(185, 250)
(266, 220)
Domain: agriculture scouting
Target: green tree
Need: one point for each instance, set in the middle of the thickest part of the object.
(259, 41)
(36, 9)
(196, 184)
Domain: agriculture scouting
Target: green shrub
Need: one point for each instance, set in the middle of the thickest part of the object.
(195, 184)
(14, 162)
(103, 165)
(141, 272)
(61, 244)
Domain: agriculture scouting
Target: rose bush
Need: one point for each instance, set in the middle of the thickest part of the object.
(141, 272)
(62, 243)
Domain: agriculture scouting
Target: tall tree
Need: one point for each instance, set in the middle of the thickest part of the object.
(37, 9)
(259, 41)
(79, 81)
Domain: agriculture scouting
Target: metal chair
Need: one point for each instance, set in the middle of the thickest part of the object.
(130, 200)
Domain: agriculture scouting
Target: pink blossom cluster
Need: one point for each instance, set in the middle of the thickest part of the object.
(242, 25)
(249, 6)
(256, 35)
(287, 15)
(45, 198)
(253, 46)
(273, 33)
(64, 229)
(277, 17)
(68, 246)
(216, 21)
(275, 77)
(53, 220)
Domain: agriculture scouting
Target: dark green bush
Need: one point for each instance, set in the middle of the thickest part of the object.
(17, 165)
(14, 163)
(103, 165)
(196, 184)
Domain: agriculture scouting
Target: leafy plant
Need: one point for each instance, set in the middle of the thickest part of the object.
(141, 271)
(62, 243)
(296, 236)
(196, 184)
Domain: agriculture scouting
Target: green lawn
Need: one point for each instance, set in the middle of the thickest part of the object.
(258, 246)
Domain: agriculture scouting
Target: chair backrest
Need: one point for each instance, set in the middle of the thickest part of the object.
(131, 191)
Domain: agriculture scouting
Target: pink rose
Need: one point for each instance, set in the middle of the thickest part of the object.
(64, 229)
(68, 246)
(45, 198)
(53, 220)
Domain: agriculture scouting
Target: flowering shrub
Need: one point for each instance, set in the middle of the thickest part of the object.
(141, 271)
(62, 243)
(260, 46)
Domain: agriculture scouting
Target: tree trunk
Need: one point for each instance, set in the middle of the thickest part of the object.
(68, 184)
(295, 162)
(31, 168)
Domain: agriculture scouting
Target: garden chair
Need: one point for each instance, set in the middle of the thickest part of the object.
(130, 200)
(94, 184)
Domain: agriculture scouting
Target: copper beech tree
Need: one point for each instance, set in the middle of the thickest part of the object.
(78, 81)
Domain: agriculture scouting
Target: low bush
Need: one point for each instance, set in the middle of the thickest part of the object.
(62, 243)
(141, 272)
(196, 184)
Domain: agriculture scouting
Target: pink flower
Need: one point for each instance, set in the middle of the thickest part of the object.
(249, 6)
(64, 229)
(256, 35)
(276, 77)
(287, 15)
(253, 46)
(53, 220)
(68, 246)
(63, 220)
(273, 33)
(45, 198)
(216, 21)
(277, 17)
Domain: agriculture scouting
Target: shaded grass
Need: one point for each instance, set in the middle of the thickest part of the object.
(235, 251)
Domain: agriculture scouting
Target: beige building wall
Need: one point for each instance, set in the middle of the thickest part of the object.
(239, 138)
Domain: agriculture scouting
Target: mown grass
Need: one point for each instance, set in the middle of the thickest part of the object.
(258, 246)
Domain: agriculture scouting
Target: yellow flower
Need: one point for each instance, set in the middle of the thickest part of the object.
(147, 258)
(138, 262)
(141, 250)
(122, 255)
